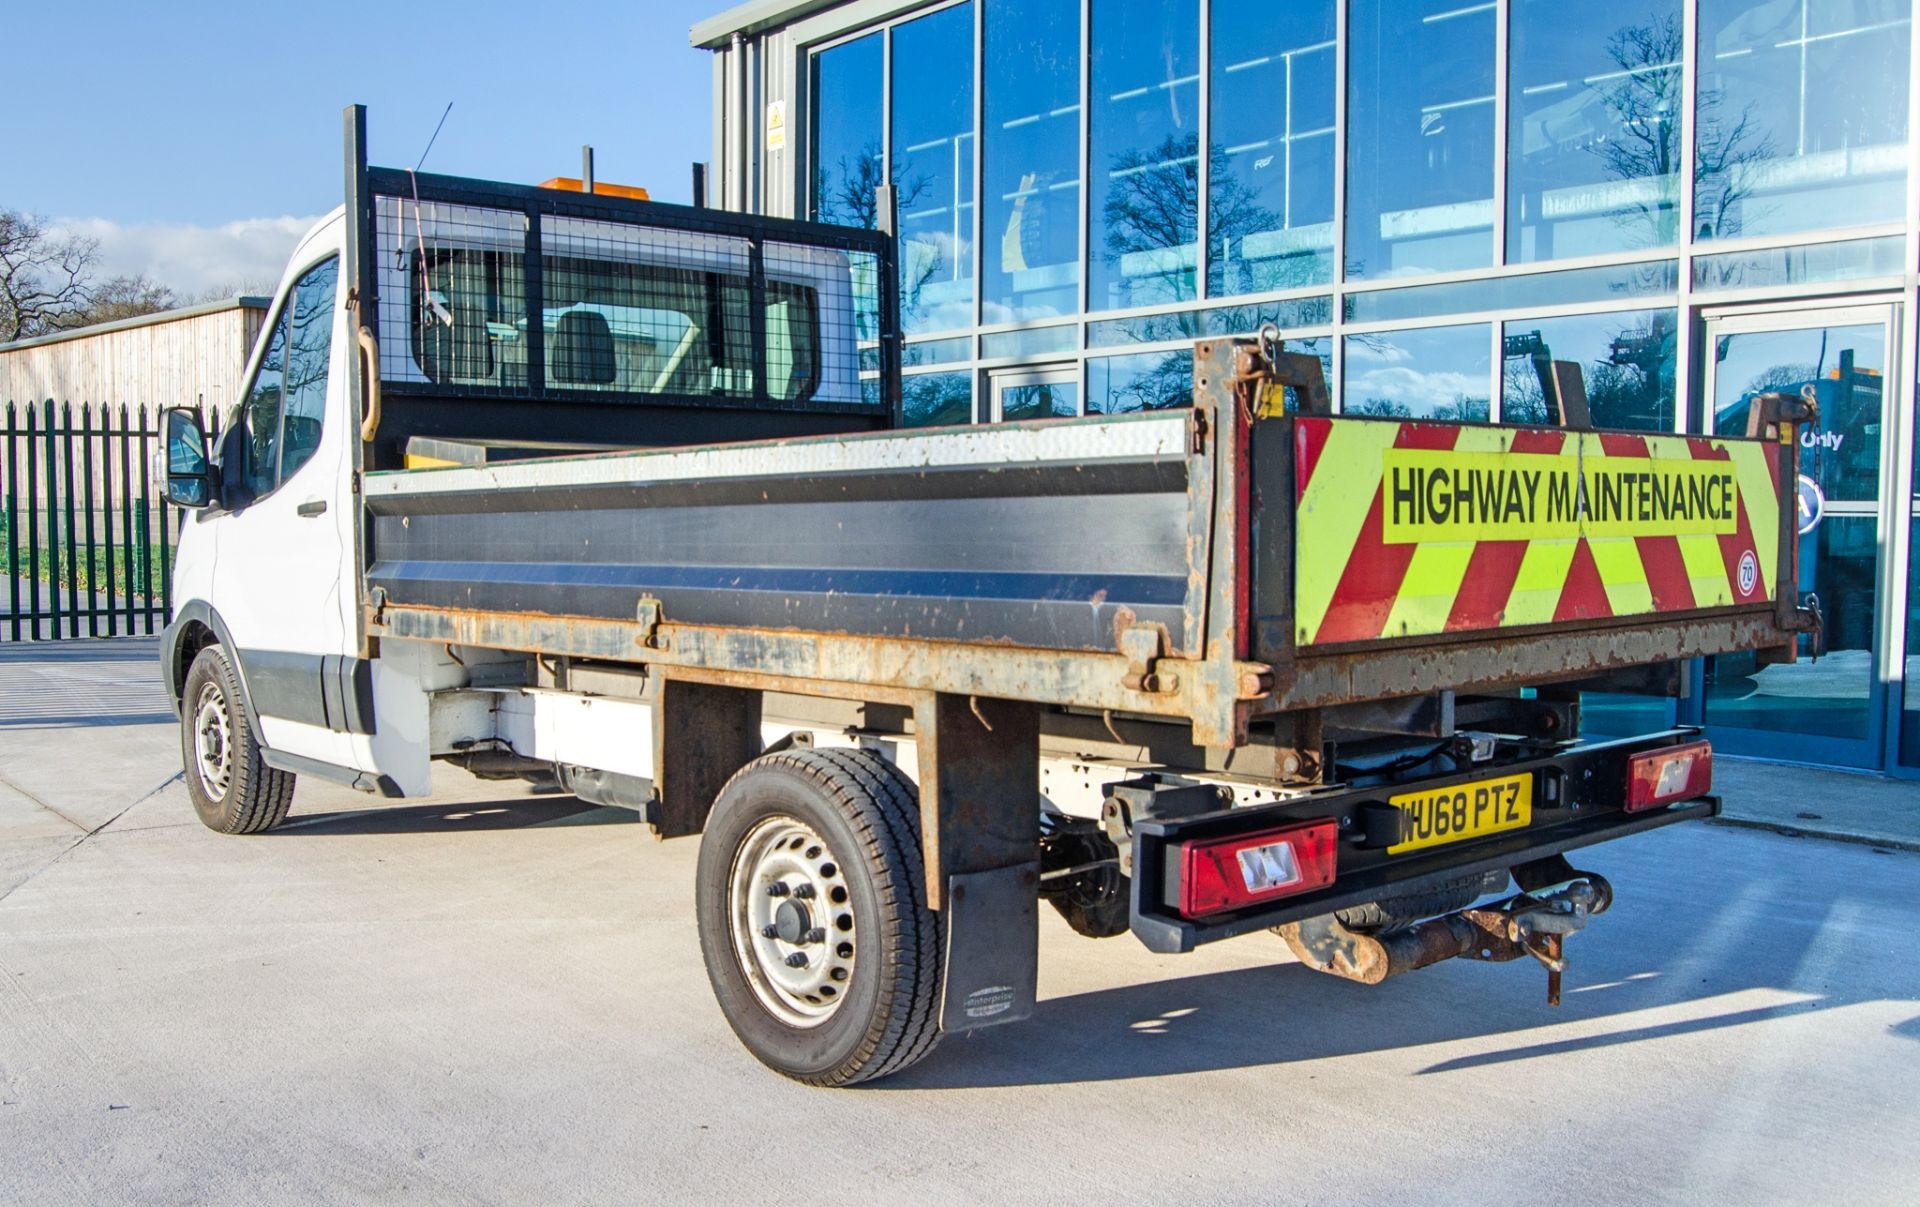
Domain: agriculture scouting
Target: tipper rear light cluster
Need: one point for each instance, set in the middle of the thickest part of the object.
(1661, 777)
(1233, 873)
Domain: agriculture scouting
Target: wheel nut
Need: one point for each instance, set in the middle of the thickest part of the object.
(769, 931)
(803, 891)
(777, 889)
(797, 960)
(817, 935)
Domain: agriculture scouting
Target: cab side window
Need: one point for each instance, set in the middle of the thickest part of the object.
(287, 405)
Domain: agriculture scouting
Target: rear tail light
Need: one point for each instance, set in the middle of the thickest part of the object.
(1232, 873)
(1661, 777)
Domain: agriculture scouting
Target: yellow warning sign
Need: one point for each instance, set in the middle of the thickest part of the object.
(1453, 495)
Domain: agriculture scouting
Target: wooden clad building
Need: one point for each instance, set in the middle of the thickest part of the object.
(193, 356)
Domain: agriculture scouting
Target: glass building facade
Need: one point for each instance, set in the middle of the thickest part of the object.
(1696, 200)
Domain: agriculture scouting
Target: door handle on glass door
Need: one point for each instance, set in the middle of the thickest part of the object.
(312, 507)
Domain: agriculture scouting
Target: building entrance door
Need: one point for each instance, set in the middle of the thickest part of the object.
(1833, 711)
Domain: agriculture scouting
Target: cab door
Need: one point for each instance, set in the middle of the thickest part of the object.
(284, 578)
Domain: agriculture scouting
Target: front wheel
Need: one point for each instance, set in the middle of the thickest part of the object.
(811, 900)
(232, 788)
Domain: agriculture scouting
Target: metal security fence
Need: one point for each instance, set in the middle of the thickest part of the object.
(87, 538)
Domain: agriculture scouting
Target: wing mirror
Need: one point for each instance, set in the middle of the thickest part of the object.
(191, 481)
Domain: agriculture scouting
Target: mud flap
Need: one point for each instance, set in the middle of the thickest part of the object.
(993, 947)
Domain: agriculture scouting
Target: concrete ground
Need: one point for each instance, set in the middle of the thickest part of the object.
(497, 997)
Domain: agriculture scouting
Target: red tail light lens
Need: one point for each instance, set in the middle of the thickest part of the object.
(1661, 777)
(1232, 873)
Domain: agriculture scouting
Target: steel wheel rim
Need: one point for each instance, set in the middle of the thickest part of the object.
(788, 896)
(212, 741)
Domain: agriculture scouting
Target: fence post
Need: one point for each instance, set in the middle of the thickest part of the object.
(13, 524)
(106, 506)
(74, 575)
(146, 534)
(93, 547)
(126, 508)
(166, 545)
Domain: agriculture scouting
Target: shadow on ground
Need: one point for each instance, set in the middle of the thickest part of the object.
(510, 813)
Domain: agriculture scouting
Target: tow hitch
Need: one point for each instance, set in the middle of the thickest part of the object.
(1534, 923)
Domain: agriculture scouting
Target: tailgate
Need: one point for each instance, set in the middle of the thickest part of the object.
(1406, 531)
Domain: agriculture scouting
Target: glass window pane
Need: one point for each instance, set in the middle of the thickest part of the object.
(262, 413)
(1055, 398)
(1514, 291)
(1438, 373)
(1145, 130)
(1847, 260)
(846, 153)
(1032, 152)
(1031, 342)
(1843, 366)
(1420, 130)
(308, 356)
(1152, 381)
(1593, 137)
(1801, 118)
(933, 399)
(1625, 359)
(1270, 165)
(933, 168)
(1220, 320)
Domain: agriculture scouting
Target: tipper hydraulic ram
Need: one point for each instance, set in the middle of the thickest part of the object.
(1193, 673)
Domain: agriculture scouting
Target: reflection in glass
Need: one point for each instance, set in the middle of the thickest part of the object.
(1144, 128)
(1152, 381)
(1420, 126)
(1626, 361)
(935, 399)
(1220, 320)
(262, 413)
(1270, 165)
(1031, 341)
(1801, 117)
(1031, 230)
(846, 154)
(1437, 373)
(1593, 141)
(307, 359)
(933, 168)
(1059, 399)
(1813, 263)
(1843, 366)
(1567, 287)
(1828, 698)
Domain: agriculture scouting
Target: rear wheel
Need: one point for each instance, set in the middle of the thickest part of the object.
(811, 900)
(232, 788)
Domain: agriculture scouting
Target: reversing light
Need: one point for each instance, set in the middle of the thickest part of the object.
(1661, 777)
(1233, 873)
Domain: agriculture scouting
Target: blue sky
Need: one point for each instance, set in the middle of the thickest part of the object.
(181, 134)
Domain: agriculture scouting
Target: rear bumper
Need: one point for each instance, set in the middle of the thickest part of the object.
(1590, 781)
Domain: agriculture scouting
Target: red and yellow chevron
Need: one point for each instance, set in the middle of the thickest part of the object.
(1417, 529)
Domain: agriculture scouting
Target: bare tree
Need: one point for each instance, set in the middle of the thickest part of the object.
(43, 276)
(46, 282)
(123, 298)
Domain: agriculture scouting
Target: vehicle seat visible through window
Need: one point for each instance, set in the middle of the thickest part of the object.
(582, 349)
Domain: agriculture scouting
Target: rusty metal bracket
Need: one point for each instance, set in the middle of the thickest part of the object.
(649, 615)
(1145, 646)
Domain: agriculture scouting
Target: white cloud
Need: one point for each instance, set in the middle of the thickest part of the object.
(1416, 390)
(191, 259)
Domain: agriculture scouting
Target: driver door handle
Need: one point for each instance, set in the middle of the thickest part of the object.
(312, 507)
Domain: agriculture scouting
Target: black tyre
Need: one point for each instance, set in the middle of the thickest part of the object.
(811, 900)
(1391, 913)
(233, 789)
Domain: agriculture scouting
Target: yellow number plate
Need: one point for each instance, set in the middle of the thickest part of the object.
(1443, 815)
